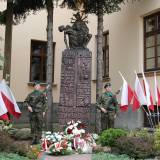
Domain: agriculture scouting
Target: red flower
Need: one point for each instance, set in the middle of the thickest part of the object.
(69, 131)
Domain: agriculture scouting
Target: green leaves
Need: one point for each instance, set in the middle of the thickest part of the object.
(92, 6)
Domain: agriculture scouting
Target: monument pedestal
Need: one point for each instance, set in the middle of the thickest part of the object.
(75, 90)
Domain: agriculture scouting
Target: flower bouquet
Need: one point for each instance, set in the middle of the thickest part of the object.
(73, 139)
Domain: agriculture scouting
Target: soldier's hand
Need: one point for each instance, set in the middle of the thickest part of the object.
(103, 110)
(30, 109)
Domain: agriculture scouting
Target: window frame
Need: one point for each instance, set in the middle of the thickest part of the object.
(155, 45)
(42, 56)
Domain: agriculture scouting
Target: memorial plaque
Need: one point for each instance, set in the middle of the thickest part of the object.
(75, 91)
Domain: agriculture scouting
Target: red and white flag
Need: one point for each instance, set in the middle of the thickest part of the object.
(3, 110)
(148, 93)
(8, 100)
(139, 96)
(157, 93)
(126, 95)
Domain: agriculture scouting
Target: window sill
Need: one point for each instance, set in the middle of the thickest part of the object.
(43, 84)
(149, 74)
(106, 79)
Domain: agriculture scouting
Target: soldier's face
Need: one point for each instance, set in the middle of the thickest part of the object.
(38, 87)
(108, 89)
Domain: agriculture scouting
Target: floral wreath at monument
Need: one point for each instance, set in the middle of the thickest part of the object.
(73, 139)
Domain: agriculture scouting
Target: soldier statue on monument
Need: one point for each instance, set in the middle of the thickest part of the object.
(36, 102)
(108, 105)
(78, 33)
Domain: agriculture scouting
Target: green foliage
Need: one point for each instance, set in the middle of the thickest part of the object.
(22, 8)
(139, 133)
(9, 156)
(33, 152)
(6, 143)
(107, 156)
(5, 126)
(108, 137)
(157, 140)
(136, 147)
(93, 6)
(22, 134)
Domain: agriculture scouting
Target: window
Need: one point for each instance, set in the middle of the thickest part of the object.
(38, 60)
(152, 42)
(105, 54)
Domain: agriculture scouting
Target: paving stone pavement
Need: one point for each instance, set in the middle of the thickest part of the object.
(69, 157)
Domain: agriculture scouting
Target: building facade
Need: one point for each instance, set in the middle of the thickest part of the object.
(131, 42)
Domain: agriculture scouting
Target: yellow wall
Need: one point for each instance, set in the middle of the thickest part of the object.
(125, 44)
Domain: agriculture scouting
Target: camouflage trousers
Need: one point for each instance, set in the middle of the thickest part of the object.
(36, 124)
(107, 120)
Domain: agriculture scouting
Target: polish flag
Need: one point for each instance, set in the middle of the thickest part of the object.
(8, 100)
(126, 95)
(139, 98)
(3, 110)
(148, 93)
(157, 93)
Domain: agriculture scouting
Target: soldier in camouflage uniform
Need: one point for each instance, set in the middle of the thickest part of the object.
(108, 105)
(36, 103)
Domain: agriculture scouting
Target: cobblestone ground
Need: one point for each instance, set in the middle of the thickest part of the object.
(70, 157)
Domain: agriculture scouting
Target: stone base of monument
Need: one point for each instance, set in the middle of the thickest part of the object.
(75, 91)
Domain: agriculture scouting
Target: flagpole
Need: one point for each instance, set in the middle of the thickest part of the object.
(156, 87)
(148, 107)
(148, 113)
(148, 117)
(121, 75)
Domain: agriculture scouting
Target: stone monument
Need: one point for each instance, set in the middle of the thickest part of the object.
(75, 91)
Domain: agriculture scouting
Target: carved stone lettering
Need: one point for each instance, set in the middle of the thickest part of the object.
(75, 91)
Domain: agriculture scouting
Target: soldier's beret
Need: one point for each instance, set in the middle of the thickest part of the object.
(107, 85)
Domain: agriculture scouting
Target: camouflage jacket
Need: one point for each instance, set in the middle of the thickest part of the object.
(37, 100)
(108, 101)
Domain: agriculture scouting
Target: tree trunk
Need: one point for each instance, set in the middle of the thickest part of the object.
(49, 62)
(99, 82)
(8, 42)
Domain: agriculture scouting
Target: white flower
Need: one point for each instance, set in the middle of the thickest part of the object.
(75, 125)
(79, 121)
(82, 131)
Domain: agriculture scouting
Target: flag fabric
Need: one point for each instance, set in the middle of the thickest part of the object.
(8, 100)
(126, 95)
(149, 98)
(157, 92)
(139, 96)
(3, 110)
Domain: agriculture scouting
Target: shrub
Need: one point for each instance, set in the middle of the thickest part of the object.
(139, 133)
(22, 134)
(136, 147)
(108, 156)
(6, 156)
(157, 140)
(7, 144)
(108, 137)
(5, 141)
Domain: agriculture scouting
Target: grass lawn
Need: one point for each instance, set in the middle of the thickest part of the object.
(107, 156)
(11, 156)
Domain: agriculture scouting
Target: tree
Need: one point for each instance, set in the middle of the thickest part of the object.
(21, 8)
(8, 41)
(18, 10)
